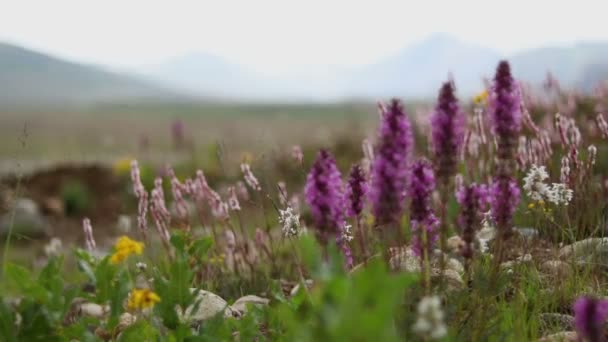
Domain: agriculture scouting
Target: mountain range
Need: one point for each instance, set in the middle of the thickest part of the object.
(32, 78)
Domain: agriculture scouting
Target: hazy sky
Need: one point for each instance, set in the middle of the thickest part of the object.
(273, 36)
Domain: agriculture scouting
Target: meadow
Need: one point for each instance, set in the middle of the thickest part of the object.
(461, 219)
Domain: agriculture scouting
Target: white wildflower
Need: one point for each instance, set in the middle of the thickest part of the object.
(534, 183)
(290, 222)
(53, 247)
(560, 194)
(430, 322)
(347, 234)
(592, 154)
(141, 266)
(565, 170)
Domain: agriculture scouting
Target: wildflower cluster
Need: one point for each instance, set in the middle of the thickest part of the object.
(124, 248)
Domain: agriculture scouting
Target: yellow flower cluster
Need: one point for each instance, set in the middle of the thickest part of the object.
(217, 259)
(125, 247)
(246, 157)
(122, 166)
(541, 206)
(142, 299)
(481, 98)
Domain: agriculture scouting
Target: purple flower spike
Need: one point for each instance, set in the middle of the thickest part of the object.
(389, 171)
(589, 317)
(472, 200)
(324, 195)
(356, 189)
(447, 131)
(421, 188)
(505, 111)
(505, 198)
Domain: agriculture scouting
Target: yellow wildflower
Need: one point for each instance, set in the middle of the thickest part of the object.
(531, 205)
(122, 166)
(142, 299)
(247, 158)
(125, 247)
(481, 97)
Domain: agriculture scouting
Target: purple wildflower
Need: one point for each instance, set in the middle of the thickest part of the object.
(472, 199)
(505, 111)
(389, 171)
(421, 188)
(447, 132)
(356, 189)
(589, 317)
(89, 239)
(324, 195)
(505, 198)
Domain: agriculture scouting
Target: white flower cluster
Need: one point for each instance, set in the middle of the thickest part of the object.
(290, 222)
(347, 234)
(537, 190)
(534, 183)
(430, 322)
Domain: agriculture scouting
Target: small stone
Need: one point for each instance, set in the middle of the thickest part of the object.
(556, 321)
(53, 206)
(528, 233)
(404, 259)
(452, 278)
(241, 303)
(94, 310)
(296, 288)
(564, 336)
(585, 249)
(25, 219)
(556, 268)
(126, 319)
(207, 305)
(454, 244)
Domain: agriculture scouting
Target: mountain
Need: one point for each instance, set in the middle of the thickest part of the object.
(417, 71)
(33, 79)
(569, 64)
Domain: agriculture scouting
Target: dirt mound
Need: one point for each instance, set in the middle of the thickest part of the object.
(67, 193)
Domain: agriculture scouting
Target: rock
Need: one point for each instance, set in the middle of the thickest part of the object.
(586, 250)
(124, 224)
(53, 206)
(54, 247)
(452, 278)
(125, 320)
(524, 259)
(94, 310)
(556, 321)
(484, 236)
(556, 268)
(207, 305)
(528, 233)
(564, 336)
(26, 219)
(296, 288)
(454, 244)
(404, 259)
(241, 303)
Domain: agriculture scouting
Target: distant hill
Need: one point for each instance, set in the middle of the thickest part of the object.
(416, 72)
(29, 78)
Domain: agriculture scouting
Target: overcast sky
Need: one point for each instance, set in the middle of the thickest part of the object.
(273, 36)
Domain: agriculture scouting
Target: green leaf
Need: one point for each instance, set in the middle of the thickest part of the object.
(7, 323)
(140, 331)
(23, 280)
(201, 246)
